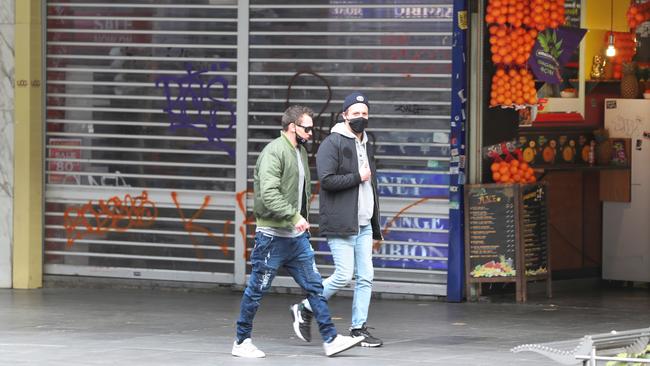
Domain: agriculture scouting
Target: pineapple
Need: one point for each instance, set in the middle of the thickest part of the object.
(629, 83)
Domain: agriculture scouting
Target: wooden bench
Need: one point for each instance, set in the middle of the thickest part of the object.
(592, 348)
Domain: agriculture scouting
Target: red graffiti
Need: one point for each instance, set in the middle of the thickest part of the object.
(191, 227)
(114, 214)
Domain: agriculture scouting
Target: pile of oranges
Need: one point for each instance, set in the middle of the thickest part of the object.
(513, 28)
(513, 171)
(536, 14)
(512, 12)
(512, 87)
(638, 14)
(511, 46)
(625, 50)
(546, 14)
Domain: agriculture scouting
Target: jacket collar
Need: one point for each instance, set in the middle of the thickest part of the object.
(286, 139)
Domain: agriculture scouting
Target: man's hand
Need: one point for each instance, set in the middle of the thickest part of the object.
(365, 173)
(302, 225)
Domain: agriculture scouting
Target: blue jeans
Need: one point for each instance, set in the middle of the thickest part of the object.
(297, 256)
(352, 256)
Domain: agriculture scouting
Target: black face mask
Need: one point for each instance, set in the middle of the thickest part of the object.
(358, 124)
(301, 140)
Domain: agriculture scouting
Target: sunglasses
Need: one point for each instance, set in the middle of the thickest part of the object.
(308, 129)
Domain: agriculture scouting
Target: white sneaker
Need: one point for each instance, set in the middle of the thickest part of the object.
(340, 344)
(247, 349)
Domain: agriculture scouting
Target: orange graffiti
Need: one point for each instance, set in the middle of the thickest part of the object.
(316, 190)
(191, 227)
(241, 198)
(224, 239)
(375, 245)
(114, 214)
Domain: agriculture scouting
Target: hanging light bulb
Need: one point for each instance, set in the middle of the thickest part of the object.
(611, 50)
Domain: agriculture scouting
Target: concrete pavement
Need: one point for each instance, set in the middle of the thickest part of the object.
(90, 326)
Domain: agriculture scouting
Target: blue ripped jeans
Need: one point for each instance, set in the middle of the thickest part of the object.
(297, 256)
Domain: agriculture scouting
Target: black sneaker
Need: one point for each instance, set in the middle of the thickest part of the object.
(301, 321)
(369, 340)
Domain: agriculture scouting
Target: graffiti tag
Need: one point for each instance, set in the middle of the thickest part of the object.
(197, 108)
(115, 214)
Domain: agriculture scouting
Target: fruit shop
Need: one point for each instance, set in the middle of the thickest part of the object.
(558, 85)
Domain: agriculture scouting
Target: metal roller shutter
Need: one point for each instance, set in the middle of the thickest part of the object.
(143, 175)
(140, 167)
(398, 53)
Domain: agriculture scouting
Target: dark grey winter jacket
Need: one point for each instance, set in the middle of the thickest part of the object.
(338, 172)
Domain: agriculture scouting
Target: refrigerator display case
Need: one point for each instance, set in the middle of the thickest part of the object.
(626, 225)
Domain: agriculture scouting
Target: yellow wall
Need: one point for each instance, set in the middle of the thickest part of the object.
(598, 14)
(597, 21)
(28, 145)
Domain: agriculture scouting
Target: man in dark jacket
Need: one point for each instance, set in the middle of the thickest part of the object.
(349, 216)
(281, 208)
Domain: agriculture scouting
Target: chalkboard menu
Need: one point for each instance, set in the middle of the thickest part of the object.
(506, 235)
(534, 233)
(572, 13)
(491, 229)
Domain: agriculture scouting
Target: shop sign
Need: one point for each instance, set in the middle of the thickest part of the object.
(413, 185)
(553, 49)
(61, 165)
(408, 11)
(399, 244)
(402, 248)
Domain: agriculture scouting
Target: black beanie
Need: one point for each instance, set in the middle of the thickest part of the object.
(354, 98)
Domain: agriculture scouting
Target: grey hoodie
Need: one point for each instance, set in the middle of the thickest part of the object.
(366, 199)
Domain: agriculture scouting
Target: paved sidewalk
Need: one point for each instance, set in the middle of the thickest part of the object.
(83, 326)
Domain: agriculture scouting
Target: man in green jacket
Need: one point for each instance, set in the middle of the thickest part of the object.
(281, 208)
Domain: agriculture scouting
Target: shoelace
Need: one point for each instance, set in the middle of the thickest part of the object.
(364, 331)
(306, 315)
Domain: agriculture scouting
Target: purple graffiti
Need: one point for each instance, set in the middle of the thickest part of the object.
(196, 107)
